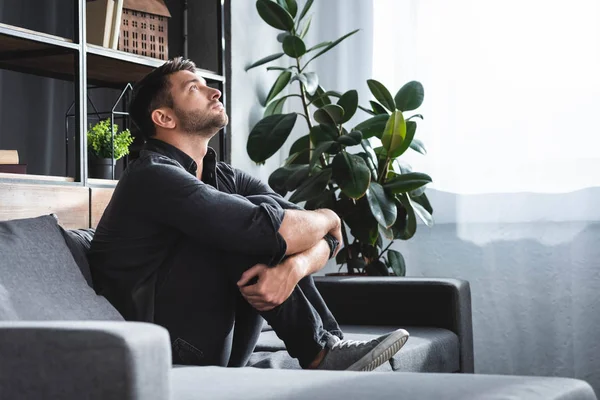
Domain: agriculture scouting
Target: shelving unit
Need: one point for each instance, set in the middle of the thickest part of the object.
(74, 60)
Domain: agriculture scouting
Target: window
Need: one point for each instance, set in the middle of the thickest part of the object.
(161, 28)
(144, 25)
(134, 24)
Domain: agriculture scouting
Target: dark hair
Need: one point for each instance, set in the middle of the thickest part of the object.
(154, 91)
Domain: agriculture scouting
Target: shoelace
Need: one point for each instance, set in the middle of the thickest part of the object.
(348, 343)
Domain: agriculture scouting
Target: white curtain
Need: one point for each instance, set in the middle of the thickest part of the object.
(512, 89)
(511, 96)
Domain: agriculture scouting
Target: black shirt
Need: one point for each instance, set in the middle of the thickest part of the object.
(159, 200)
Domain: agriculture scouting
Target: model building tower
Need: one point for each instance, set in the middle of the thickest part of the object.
(144, 28)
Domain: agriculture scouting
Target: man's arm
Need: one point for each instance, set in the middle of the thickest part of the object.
(175, 198)
(276, 284)
(296, 226)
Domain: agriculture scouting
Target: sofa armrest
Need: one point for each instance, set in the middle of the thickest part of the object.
(442, 303)
(84, 360)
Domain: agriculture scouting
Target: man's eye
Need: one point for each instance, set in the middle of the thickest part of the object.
(194, 87)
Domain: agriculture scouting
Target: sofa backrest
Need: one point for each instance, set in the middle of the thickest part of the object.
(39, 277)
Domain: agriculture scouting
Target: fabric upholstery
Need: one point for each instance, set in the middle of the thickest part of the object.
(427, 349)
(39, 278)
(89, 360)
(257, 384)
(79, 242)
(401, 301)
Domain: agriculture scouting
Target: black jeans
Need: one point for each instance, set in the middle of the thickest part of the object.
(210, 323)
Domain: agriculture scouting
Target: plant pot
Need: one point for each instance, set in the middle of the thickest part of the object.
(101, 168)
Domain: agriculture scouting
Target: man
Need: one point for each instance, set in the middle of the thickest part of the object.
(205, 250)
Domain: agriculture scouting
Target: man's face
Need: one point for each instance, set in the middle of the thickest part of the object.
(196, 106)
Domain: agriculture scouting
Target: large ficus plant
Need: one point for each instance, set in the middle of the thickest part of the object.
(377, 196)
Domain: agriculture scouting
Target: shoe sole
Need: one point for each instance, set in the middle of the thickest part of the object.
(382, 353)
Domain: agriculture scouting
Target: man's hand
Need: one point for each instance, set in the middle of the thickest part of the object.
(274, 285)
(336, 231)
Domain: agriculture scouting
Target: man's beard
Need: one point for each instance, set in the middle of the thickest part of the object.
(198, 123)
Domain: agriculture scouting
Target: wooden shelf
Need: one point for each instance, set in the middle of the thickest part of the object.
(31, 52)
(36, 53)
(116, 68)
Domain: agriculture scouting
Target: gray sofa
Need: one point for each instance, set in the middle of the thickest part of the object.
(59, 340)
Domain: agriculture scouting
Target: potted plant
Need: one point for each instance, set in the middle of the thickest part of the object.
(358, 171)
(101, 155)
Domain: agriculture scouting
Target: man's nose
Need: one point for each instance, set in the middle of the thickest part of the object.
(215, 94)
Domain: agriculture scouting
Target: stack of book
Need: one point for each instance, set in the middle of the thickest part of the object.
(9, 162)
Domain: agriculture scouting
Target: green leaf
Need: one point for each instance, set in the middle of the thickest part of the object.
(310, 81)
(373, 126)
(278, 179)
(301, 146)
(296, 178)
(394, 132)
(349, 102)
(378, 108)
(411, 220)
(312, 187)
(279, 85)
(275, 107)
(382, 95)
(332, 45)
(411, 128)
(423, 201)
(415, 116)
(371, 160)
(281, 36)
(290, 6)
(382, 205)
(359, 218)
(351, 174)
(418, 146)
(370, 112)
(265, 60)
(377, 268)
(422, 213)
(320, 98)
(306, 8)
(268, 135)
(278, 69)
(407, 182)
(324, 200)
(351, 139)
(325, 133)
(306, 28)
(396, 262)
(293, 46)
(275, 15)
(329, 114)
(410, 96)
(316, 154)
(318, 46)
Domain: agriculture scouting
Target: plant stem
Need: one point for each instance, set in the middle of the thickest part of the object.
(384, 250)
(384, 171)
(323, 163)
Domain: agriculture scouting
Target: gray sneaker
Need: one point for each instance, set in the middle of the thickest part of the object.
(355, 355)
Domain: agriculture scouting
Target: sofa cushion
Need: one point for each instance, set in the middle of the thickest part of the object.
(39, 279)
(191, 383)
(79, 242)
(427, 350)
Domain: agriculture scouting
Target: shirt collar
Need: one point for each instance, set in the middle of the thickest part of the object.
(187, 162)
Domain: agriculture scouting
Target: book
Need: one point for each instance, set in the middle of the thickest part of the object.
(99, 15)
(9, 157)
(116, 24)
(13, 168)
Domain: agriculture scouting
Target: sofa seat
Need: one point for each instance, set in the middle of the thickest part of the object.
(191, 383)
(427, 350)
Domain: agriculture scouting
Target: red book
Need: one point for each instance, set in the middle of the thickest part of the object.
(13, 168)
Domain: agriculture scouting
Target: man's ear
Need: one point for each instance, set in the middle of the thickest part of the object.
(164, 118)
